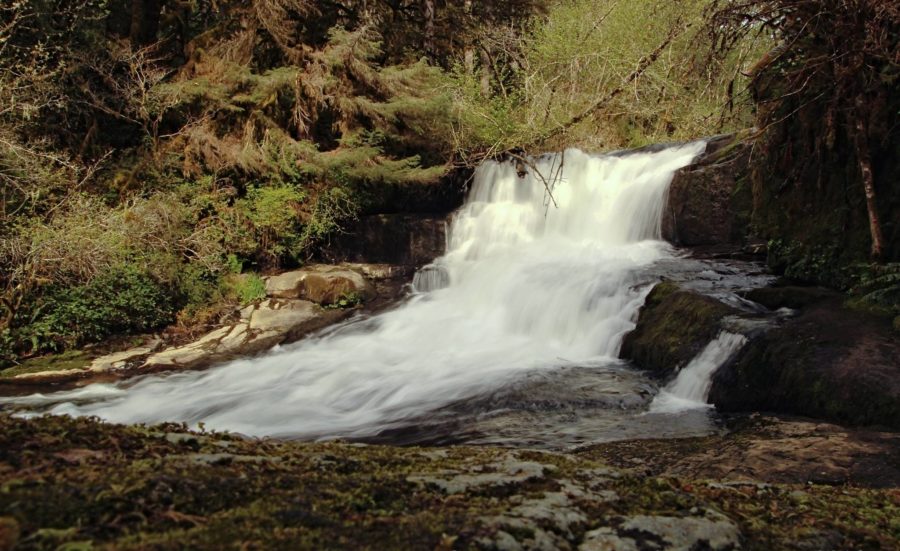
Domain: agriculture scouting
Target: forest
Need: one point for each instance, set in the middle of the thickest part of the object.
(166, 164)
(153, 150)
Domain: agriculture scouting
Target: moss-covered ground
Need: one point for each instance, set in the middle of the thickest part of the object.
(81, 484)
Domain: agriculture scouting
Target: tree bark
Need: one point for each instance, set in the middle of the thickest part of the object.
(469, 53)
(864, 157)
(428, 14)
(485, 72)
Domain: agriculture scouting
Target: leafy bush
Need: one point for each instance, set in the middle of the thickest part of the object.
(121, 301)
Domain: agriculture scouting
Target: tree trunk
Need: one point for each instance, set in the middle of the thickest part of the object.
(864, 157)
(145, 16)
(428, 13)
(469, 53)
(485, 72)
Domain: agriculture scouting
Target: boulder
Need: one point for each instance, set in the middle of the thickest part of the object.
(673, 326)
(829, 362)
(710, 201)
(322, 284)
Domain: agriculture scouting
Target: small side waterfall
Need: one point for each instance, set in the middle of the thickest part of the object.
(525, 287)
(690, 389)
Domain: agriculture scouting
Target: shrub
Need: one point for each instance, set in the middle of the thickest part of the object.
(124, 300)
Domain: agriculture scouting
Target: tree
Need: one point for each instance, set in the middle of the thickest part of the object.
(832, 79)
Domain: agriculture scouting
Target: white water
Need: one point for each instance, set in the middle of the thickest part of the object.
(690, 389)
(523, 286)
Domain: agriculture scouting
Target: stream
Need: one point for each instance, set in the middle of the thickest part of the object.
(511, 338)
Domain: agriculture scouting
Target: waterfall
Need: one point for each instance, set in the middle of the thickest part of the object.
(690, 389)
(528, 282)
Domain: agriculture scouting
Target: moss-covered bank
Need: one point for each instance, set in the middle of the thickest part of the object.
(80, 484)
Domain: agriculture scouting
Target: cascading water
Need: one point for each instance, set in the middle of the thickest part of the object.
(526, 287)
(690, 388)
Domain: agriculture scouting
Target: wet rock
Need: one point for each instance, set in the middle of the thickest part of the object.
(829, 362)
(400, 239)
(673, 326)
(712, 531)
(710, 201)
(788, 296)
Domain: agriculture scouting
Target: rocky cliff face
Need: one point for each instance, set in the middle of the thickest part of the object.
(399, 239)
(709, 202)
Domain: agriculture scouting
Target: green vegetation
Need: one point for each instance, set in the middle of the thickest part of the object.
(174, 140)
(607, 75)
(204, 136)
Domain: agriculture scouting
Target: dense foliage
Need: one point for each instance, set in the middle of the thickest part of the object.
(187, 142)
(828, 96)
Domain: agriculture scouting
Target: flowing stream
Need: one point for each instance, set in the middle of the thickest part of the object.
(511, 337)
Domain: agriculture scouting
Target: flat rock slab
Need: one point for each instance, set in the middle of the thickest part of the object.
(261, 326)
(713, 532)
(767, 449)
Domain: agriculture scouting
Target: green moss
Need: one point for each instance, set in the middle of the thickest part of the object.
(673, 326)
(73, 359)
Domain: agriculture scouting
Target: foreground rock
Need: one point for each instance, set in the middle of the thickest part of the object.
(75, 483)
(765, 448)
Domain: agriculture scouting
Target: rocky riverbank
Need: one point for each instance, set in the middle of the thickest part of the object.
(297, 303)
(79, 484)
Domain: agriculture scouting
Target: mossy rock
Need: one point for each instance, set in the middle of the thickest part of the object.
(673, 326)
(830, 363)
